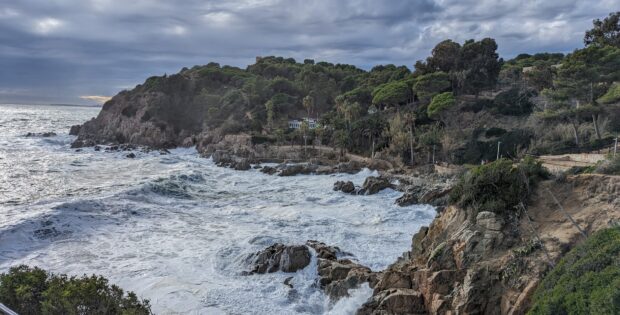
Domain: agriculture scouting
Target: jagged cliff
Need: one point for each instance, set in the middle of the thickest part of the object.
(492, 264)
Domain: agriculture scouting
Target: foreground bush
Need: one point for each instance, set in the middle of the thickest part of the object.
(498, 186)
(29, 290)
(586, 281)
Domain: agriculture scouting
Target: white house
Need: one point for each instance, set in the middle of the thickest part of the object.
(296, 123)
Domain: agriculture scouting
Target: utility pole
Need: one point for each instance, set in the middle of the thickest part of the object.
(498, 145)
(616, 146)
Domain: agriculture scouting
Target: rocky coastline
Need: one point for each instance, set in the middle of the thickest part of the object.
(487, 264)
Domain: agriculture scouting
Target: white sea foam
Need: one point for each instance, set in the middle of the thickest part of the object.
(175, 228)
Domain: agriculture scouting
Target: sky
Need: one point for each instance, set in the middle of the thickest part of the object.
(84, 51)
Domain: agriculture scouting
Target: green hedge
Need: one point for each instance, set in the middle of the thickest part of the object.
(586, 281)
(29, 290)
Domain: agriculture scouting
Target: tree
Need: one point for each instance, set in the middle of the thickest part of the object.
(429, 85)
(399, 138)
(445, 56)
(440, 104)
(373, 126)
(605, 32)
(303, 129)
(584, 76)
(409, 120)
(392, 94)
(308, 103)
(479, 66)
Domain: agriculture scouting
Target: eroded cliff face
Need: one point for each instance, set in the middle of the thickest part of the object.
(159, 118)
(489, 264)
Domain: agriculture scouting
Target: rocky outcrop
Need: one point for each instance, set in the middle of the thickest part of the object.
(373, 185)
(338, 273)
(279, 257)
(487, 263)
(75, 130)
(346, 187)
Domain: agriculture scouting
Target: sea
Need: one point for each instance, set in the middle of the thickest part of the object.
(175, 228)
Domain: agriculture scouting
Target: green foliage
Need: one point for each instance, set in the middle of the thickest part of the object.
(513, 103)
(34, 291)
(440, 103)
(498, 186)
(392, 94)
(585, 281)
(605, 32)
(429, 85)
(612, 95)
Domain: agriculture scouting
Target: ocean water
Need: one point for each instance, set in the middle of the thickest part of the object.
(175, 228)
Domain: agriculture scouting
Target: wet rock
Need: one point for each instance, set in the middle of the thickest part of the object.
(40, 134)
(131, 155)
(222, 158)
(337, 277)
(345, 187)
(324, 251)
(279, 257)
(188, 142)
(373, 185)
(297, 169)
(75, 130)
(97, 148)
(269, 170)
(241, 165)
(407, 199)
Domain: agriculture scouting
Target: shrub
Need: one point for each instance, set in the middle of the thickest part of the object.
(610, 167)
(585, 281)
(440, 103)
(498, 186)
(612, 95)
(29, 290)
(513, 103)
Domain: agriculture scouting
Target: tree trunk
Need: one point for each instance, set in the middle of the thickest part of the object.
(596, 129)
(575, 133)
(411, 145)
(372, 153)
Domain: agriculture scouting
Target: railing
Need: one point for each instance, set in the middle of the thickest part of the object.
(6, 310)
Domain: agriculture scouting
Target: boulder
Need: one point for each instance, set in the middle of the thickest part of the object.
(131, 155)
(241, 165)
(324, 251)
(41, 134)
(221, 158)
(297, 169)
(345, 187)
(279, 257)
(268, 170)
(75, 129)
(394, 301)
(373, 185)
(407, 199)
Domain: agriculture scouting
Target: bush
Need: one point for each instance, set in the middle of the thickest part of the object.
(586, 281)
(610, 167)
(513, 103)
(498, 186)
(440, 103)
(29, 290)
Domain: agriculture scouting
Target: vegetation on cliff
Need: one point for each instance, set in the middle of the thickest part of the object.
(586, 281)
(498, 187)
(29, 290)
(451, 106)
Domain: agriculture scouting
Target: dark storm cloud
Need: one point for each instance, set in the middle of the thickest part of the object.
(59, 50)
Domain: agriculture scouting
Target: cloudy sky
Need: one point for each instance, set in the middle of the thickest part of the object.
(79, 51)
